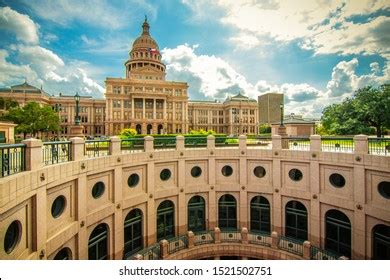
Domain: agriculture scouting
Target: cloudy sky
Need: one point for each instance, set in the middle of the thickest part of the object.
(317, 52)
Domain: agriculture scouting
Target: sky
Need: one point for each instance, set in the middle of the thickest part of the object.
(317, 52)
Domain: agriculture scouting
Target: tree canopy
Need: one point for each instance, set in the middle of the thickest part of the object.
(7, 103)
(32, 118)
(368, 108)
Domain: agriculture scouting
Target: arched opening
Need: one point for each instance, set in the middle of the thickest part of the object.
(196, 214)
(165, 220)
(160, 129)
(63, 254)
(260, 214)
(98, 243)
(296, 220)
(338, 233)
(381, 242)
(227, 212)
(133, 232)
(149, 129)
(138, 128)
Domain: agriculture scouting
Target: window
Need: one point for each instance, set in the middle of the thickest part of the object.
(98, 243)
(165, 220)
(296, 220)
(133, 233)
(338, 233)
(227, 212)
(259, 171)
(295, 174)
(133, 180)
(384, 189)
(98, 190)
(127, 104)
(381, 242)
(63, 254)
(337, 180)
(196, 214)
(196, 171)
(58, 206)
(260, 215)
(165, 174)
(12, 236)
(116, 103)
(117, 89)
(227, 170)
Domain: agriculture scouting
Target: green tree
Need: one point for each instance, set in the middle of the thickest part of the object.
(127, 133)
(369, 107)
(7, 103)
(32, 118)
(264, 129)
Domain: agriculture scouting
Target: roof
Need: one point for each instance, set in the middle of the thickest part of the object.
(240, 97)
(24, 88)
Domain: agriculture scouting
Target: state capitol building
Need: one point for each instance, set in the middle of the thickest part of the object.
(146, 101)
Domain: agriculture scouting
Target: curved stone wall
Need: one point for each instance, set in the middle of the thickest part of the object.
(28, 197)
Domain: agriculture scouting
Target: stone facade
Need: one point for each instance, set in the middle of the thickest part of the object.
(28, 197)
(269, 107)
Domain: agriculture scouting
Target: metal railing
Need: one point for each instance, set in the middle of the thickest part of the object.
(13, 159)
(337, 144)
(320, 254)
(231, 236)
(379, 146)
(56, 152)
(203, 237)
(149, 253)
(259, 142)
(259, 238)
(164, 143)
(97, 148)
(228, 142)
(195, 142)
(131, 145)
(291, 245)
(299, 143)
(177, 244)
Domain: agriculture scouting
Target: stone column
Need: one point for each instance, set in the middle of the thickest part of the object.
(164, 109)
(244, 235)
(275, 240)
(190, 237)
(361, 144)
(180, 143)
(217, 235)
(149, 144)
(34, 159)
(315, 143)
(143, 108)
(164, 249)
(77, 148)
(132, 108)
(115, 145)
(154, 108)
(242, 142)
(306, 250)
(210, 142)
(276, 142)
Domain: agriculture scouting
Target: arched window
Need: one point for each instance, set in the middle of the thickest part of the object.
(338, 233)
(165, 220)
(149, 129)
(296, 220)
(159, 129)
(196, 214)
(381, 242)
(63, 254)
(138, 129)
(260, 214)
(98, 243)
(133, 232)
(227, 212)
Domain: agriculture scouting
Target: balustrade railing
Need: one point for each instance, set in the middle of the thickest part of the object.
(203, 237)
(13, 159)
(337, 144)
(131, 145)
(97, 148)
(291, 245)
(177, 243)
(56, 152)
(164, 143)
(299, 143)
(231, 236)
(379, 146)
(320, 254)
(259, 238)
(149, 253)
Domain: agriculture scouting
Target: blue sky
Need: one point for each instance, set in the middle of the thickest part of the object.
(317, 52)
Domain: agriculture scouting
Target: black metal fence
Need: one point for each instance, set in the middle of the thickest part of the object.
(131, 145)
(320, 254)
(149, 253)
(56, 152)
(164, 143)
(379, 146)
(299, 143)
(231, 236)
(203, 237)
(337, 144)
(259, 238)
(262, 142)
(177, 243)
(291, 245)
(13, 159)
(97, 148)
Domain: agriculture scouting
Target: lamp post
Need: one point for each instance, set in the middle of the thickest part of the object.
(281, 115)
(77, 117)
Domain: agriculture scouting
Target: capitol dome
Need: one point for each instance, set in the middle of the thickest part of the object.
(145, 58)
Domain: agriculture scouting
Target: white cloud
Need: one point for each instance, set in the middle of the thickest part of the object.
(103, 13)
(21, 25)
(323, 26)
(214, 78)
(12, 73)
